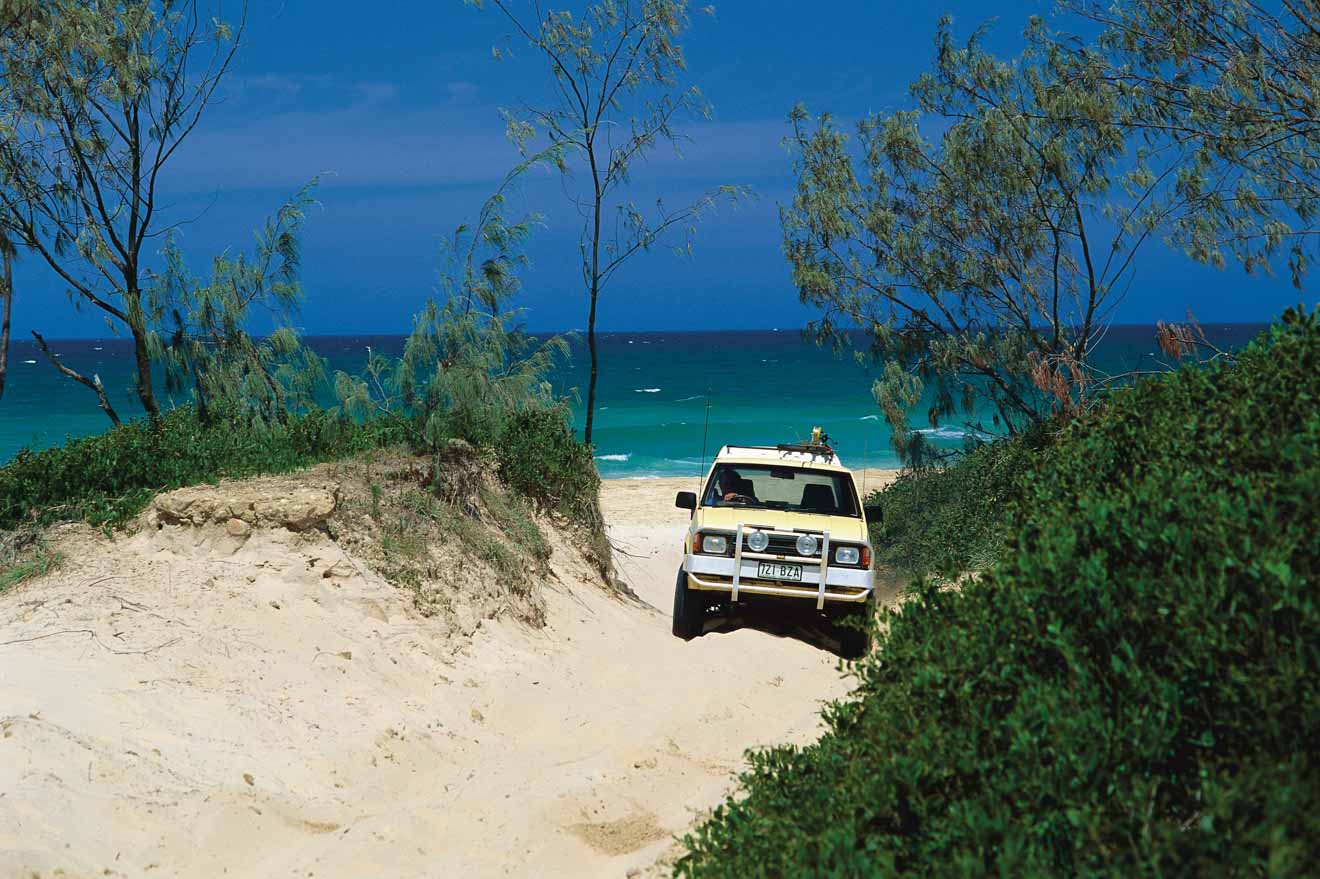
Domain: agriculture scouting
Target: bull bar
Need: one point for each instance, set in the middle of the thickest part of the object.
(698, 567)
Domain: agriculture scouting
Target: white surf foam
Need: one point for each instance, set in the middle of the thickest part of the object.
(620, 458)
(951, 433)
(646, 390)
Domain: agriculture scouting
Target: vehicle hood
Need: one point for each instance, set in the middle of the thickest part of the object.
(727, 519)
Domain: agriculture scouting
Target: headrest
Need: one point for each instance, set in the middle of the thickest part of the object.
(818, 497)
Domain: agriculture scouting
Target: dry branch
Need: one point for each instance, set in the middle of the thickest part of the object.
(94, 382)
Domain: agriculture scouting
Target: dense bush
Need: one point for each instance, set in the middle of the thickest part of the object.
(541, 459)
(109, 478)
(1131, 690)
(953, 518)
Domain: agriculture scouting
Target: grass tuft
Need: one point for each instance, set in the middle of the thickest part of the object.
(24, 555)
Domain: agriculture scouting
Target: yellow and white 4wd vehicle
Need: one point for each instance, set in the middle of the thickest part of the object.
(776, 524)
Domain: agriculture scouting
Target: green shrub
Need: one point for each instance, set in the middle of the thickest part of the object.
(541, 459)
(1131, 690)
(950, 519)
(109, 478)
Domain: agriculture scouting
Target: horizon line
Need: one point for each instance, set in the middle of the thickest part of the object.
(306, 335)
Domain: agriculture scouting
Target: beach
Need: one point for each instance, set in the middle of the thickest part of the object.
(178, 703)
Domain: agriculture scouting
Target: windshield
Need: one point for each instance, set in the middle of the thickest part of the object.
(764, 487)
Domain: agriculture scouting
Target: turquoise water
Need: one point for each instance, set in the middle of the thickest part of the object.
(763, 387)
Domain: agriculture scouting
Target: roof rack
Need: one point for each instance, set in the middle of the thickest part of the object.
(817, 447)
(758, 448)
(821, 449)
(783, 450)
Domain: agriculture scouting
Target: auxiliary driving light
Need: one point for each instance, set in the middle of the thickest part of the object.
(847, 555)
(806, 545)
(757, 541)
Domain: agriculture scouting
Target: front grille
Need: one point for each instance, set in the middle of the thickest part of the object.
(780, 545)
(784, 545)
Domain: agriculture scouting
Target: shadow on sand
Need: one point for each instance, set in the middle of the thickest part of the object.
(806, 625)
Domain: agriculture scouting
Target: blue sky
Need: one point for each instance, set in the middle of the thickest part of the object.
(397, 108)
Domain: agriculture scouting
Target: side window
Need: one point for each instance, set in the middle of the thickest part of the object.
(713, 494)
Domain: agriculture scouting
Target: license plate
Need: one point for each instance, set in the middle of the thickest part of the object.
(779, 571)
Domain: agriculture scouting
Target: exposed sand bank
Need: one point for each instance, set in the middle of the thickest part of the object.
(190, 702)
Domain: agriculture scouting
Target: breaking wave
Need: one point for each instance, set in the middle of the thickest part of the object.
(952, 433)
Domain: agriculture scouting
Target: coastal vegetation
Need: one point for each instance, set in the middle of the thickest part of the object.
(98, 100)
(1232, 86)
(985, 263)
(470, 391)
(116, 82)
(946, 519)
(982, 265)
(1125, 691)
(109, 478)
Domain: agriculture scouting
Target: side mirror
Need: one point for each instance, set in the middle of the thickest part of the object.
(686, 500)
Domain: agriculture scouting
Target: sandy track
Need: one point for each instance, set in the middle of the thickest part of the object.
(270, 710)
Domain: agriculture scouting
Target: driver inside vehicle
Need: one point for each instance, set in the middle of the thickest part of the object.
(733, 487)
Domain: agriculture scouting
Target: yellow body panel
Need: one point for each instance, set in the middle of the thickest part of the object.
(841, 528)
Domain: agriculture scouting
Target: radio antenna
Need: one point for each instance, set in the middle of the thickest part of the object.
(705, 435)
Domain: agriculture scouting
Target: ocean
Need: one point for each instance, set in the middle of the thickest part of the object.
(657, 390)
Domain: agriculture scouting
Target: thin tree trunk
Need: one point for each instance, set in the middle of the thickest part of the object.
(591, 385)
(595, 293)
(7, 292)
(94, 382)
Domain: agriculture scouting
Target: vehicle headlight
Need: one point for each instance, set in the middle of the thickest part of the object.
(806, 544)
(847, 555)
(757, 541)
(714, 544)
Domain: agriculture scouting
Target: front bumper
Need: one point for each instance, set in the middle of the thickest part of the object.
(821, 582)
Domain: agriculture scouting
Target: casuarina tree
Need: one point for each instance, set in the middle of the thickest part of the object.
(618, 74)
(1235, 86)
(981, 240)
(102, 95)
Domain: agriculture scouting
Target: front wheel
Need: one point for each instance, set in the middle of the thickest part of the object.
(689, 610)
(855, 630)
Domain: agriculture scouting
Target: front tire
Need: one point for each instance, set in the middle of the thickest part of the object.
(855, 630)
(689, 610)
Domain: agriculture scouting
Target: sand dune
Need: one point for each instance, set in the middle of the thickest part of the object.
(191, 702)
